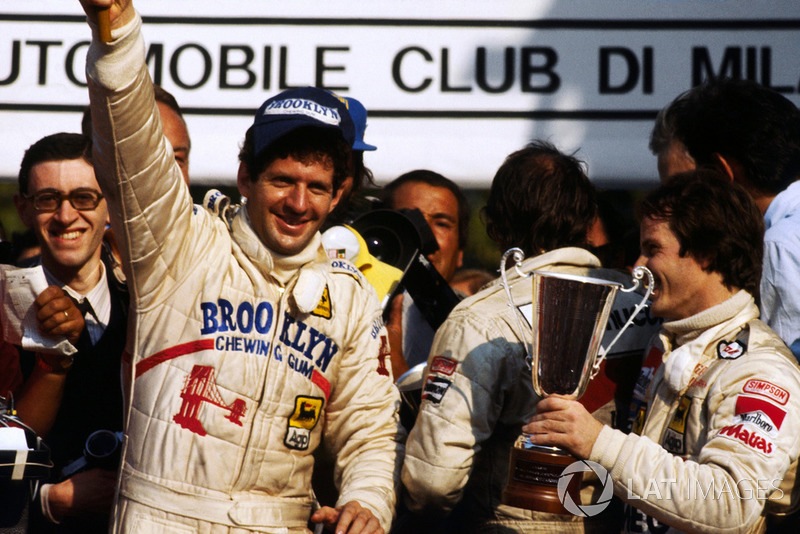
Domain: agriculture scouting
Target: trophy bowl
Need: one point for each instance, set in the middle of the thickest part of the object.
(569, 317)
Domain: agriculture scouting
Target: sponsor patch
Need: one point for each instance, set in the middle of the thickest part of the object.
(638, 419)
(346, 267)
(751, 438)
(675, 436)
(301, 106)
(730, 351)
(761, 413)
(697, 372)
(435, 388)
(766, 389)
(443, 365)
(324, 307)
(674, 442)
(678, 422)
(302, 421)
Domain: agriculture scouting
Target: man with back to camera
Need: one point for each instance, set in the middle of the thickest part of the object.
(446, 210)
(752, 134)
(478, 391)
(67, 398)
(246, 353)
(718, 412)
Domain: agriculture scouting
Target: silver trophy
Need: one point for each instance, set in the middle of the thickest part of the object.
(569, 318)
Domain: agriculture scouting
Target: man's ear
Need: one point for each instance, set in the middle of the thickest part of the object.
(343, 191)
(728, 166)
(24, 213)
(243, 180)
(337, 197)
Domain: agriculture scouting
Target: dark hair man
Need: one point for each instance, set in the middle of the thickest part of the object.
(478, 392)
(717, 412)
(251, 347)
(446, 210)
(68, 398)
(752, 134)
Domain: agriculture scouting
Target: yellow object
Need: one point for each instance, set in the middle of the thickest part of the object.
(382, 276)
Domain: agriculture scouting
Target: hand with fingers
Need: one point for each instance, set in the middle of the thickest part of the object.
(563, 422)
(352, 518)
(112, 14)
(58, 315)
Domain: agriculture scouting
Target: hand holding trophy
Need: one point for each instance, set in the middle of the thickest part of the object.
(569, 318)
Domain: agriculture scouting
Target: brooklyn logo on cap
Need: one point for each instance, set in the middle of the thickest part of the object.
(302, 106)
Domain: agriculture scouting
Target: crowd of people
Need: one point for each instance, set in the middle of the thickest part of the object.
(245, 373)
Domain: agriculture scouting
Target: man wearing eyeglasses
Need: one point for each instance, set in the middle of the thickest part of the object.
(67, 398)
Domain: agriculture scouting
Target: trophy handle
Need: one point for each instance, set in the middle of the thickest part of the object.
(518, 256)
(638, 274)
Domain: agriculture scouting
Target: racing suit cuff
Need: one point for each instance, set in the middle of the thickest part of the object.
(115, 65)
(607, 447)
(382, 510)
(44, 499)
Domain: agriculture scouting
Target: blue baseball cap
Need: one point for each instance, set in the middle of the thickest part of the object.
(359, 115)
(295, 108)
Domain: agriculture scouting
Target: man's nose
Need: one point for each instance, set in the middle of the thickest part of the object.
(297, 200)
(65, 213)
(641, 261)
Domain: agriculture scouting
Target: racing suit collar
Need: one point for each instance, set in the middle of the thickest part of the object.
(277, 266)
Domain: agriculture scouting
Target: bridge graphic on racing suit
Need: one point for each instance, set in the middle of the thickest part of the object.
(201, 386)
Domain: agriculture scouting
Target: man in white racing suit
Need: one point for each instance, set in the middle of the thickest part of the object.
(715, 441)
(478, 391)
(250, 347)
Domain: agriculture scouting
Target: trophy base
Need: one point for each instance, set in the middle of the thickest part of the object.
(533, 475)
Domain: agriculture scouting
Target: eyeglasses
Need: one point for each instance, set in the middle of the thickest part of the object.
(49, 200)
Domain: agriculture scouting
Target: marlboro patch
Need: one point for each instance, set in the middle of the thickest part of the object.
(761, 413)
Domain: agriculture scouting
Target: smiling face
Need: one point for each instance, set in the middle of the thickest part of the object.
(683, 287)
(440, 207)
(70, 239)
(289, 201)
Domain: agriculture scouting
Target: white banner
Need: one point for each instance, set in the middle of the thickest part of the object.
(453, 86)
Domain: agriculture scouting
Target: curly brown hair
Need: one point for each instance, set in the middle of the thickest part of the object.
(714, 220)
